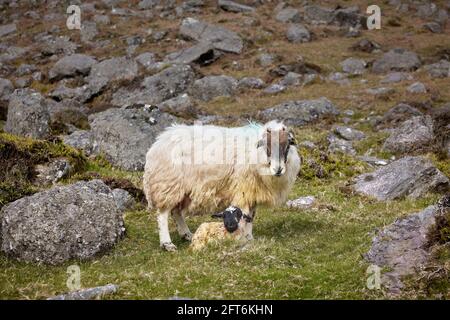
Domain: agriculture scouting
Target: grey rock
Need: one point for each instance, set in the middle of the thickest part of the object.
(412, 135)
(250, 83)
(433, 27)
(234, 7)
(338, 145)
(353, 66)
(300, 112)
(88, 294)
(23, 82)
(348, 17)
(439, 69)
(81, 139)
(28, 115)
(266, 59)
(146, 59)
(288, 15)
(275, 88)
(397, 60)
(25, 69)
(398, 114)
(148, 4)
(157, 88)
(291, 79)
(394, 77)
(373, 161)
(125, 135)
(381, 92)
(6, 88)
(58, 45)
(210, 87)
(202, 53)
(297, 33)
(417, 87)
(102, 19)
(318, 15)
(410, 176)
(52, 172)
(301, 203)
(220, 37)
(401, 248)
(180, 106)
(71, 66)
(339, 77)
(124, 200)
(11, 53)
(366, 45)
(7, 29)
(348, 133)
(75, 221)
(88, 31)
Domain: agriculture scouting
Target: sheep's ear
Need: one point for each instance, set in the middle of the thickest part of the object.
(260, 143)
(217, 215)
(291, 139)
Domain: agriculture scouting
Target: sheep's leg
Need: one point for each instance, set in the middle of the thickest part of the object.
(248, 226)
(182, 227)
(164, 235)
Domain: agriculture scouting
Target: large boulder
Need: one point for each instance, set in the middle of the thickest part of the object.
(401, 248)
(412, 135)
(398, 59)
(210, 87)
(409, 176)
(125, 135)
(439, 69)
(397, 114)
(28, 115)
(75, 221)
(72, 65)
(221, 38)
(154, 89)
(300, 112)
(202, 53)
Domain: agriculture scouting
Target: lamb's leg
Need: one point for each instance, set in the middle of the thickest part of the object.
(164, 235)
(182, 227)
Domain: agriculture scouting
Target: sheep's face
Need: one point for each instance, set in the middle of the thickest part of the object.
(276, 141)
(231, 218)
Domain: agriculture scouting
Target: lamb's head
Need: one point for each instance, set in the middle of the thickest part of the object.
(275, 140)
(231, 218)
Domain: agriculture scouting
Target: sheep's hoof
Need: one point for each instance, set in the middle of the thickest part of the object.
(187, 236)
(169, 246)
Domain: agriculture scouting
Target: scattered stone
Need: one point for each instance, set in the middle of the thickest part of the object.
(395, 77)
(221, 38)
(318, 15)
(251, 83)
(353, 66)
(124, 200)
(398, 59)
(88, 294)
(125, 135)
(336, 145)
(348, 133)
(266, 59)
(409, 176)
(234, 7)
(397, 114)
(291, 79)
(25, 69)
(301, 203)
(433, 27)
(210, 87)
(417, 87)
(6, 89)
(288, 15)
(180, 106)
(297, 33)
(88, 31)
(366, 45)
(52, 172)
(7, 29)
(146, 59)
(28, 115)
(412, 135)
(339, 77)
(71, 66)
(202, 53)
(381, 92)
(76, 221)
(300, 112)
(440, 69)
(373, 161)
(57, 45)
(274, 88)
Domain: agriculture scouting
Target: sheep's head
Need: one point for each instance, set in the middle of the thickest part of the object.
(231, 218)
(275, 140)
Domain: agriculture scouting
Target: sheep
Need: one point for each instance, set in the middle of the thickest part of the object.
(215, 231)
(196, 169)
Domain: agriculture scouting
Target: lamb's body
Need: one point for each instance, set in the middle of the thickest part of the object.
(193, 186)
(209, 232)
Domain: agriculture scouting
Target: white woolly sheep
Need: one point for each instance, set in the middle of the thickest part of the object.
(215, 231)
(201, 169)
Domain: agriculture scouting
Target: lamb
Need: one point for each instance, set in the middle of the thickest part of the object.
(215, 231)
(201, 169)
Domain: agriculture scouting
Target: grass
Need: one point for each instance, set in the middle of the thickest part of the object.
(316, 253)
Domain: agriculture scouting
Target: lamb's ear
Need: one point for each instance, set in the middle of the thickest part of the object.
(291, 139)
(217, 215)
(260, 143)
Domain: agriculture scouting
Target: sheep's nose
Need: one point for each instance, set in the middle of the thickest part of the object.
(278, 172)
(231, 227)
